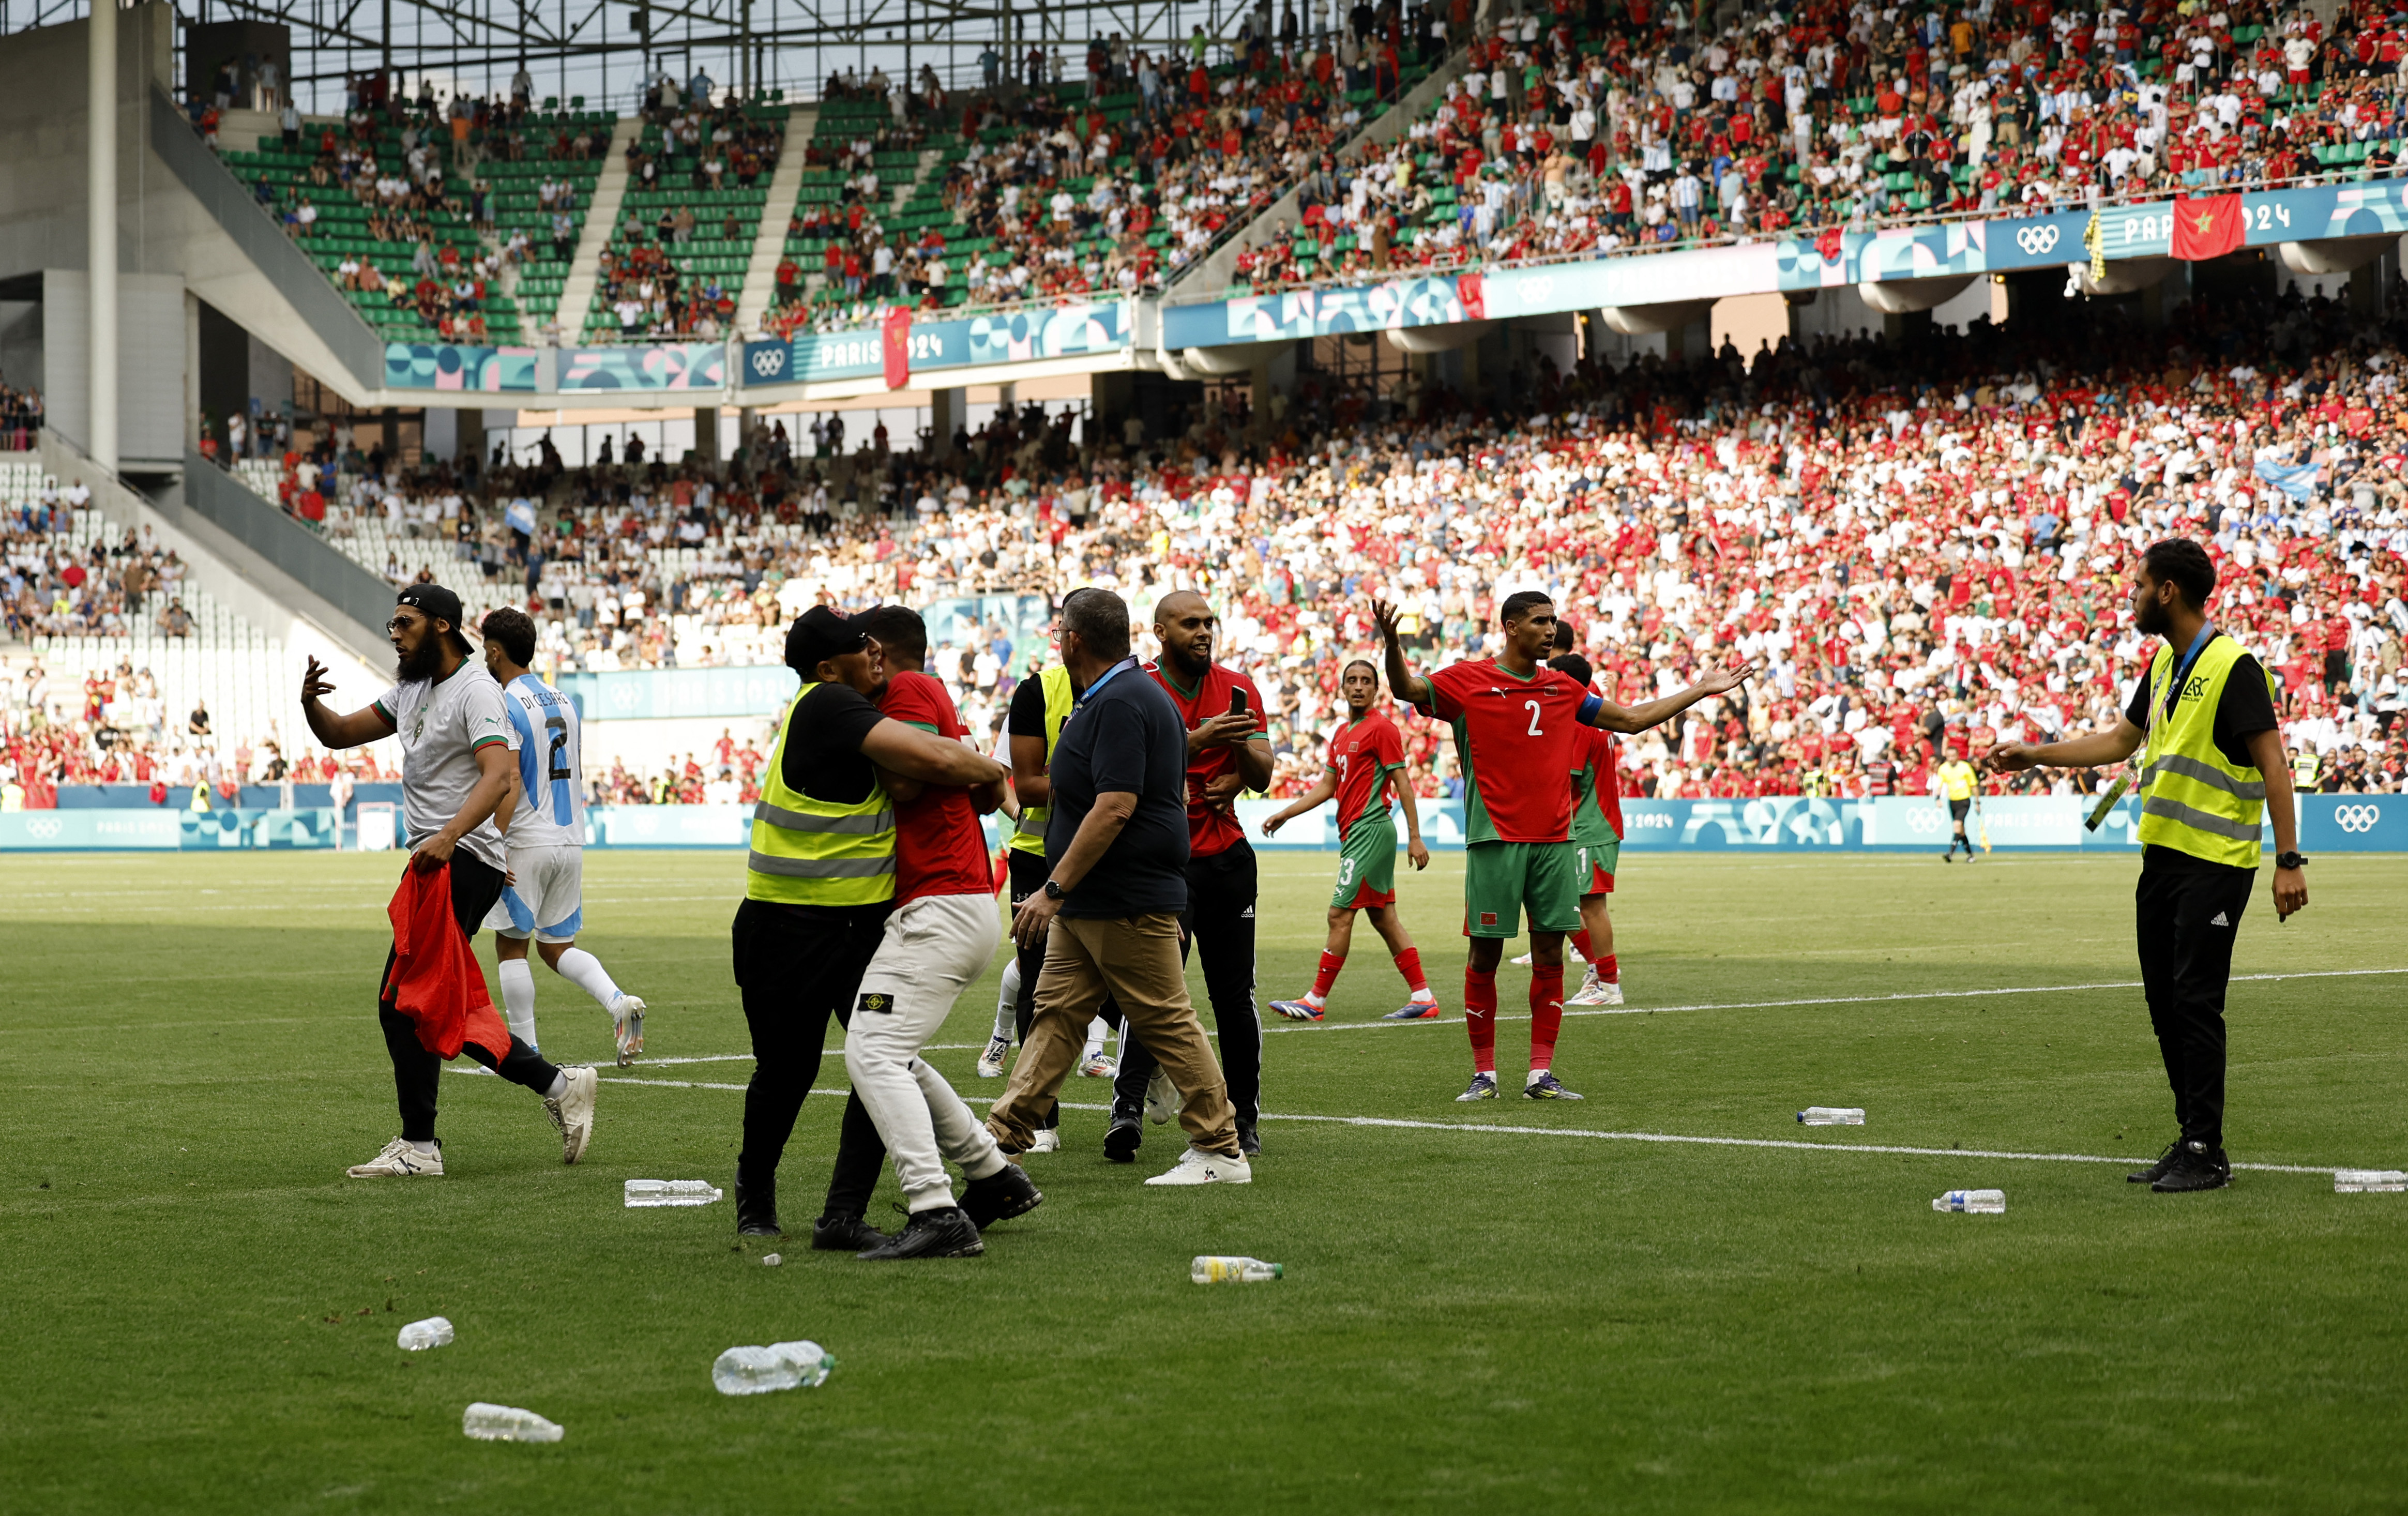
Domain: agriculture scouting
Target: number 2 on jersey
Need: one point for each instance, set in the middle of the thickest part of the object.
(1532, 705)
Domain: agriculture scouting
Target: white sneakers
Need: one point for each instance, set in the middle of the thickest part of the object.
(1048, 1140)
(1596, 992)
(573, 1112)
(1098, 1065)
(990, 1063)
(627, 1028)
(398, 1161)
(1161, 1098)
(1196, 1166)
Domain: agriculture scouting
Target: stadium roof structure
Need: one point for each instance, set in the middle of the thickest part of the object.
(605, 50)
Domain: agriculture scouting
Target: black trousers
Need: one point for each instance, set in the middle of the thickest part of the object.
(1219, 925)
(796, 970)
(2187, 913)
(417, 1074)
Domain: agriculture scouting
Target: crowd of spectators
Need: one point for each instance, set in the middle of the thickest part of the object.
(49, 588)
(1067, 195)
(20, 419)
(1633, 126)
(701, 148)
(1924, 539)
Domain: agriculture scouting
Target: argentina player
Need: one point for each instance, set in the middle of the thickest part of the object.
(546, 897)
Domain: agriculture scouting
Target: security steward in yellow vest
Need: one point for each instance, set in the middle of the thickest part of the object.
(818, 886)
(2213, 769)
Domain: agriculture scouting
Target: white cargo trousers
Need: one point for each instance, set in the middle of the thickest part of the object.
(933, 948)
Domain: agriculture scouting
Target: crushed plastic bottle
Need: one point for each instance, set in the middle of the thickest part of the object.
(488, 1422)
(771, 1260)
(670, 1193)
(1220, 1270)
(1975, 1202)
(434, 1332)
(1831, 1116)
(781, 1365)
(2369, 1181)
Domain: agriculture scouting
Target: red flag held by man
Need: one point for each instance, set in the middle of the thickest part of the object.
(896, 330)
(2208, 227)
(1467, 289)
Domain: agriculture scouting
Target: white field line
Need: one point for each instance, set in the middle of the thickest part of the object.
(1494, 1129)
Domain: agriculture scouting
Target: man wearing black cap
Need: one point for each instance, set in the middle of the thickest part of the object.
(456, 744)
(819, 885)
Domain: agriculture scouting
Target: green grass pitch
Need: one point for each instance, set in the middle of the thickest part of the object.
(200, 1308)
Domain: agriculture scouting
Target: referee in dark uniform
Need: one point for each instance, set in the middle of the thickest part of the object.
(2212, 771)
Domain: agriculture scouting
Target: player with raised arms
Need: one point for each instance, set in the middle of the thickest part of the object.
(1515, 719)
(1366, 755)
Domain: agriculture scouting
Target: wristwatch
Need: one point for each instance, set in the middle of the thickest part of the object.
(1053, 891)
(2289, 859)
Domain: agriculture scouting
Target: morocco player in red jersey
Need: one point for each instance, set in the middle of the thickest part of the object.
(1514, 720)
(1367, 758)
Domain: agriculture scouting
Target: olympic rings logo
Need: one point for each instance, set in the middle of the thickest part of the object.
(2036, 240)
(1920, 820)
(768, 362)
(43, 828)
(2358, 818)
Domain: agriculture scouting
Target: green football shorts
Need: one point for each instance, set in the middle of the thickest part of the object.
(1367, 864)
(1500, 878)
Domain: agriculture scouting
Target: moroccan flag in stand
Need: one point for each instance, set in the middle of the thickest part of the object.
(896, 331)
(1475, 299)
(2208, 227)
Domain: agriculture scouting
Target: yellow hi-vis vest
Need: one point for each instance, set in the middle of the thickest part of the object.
(1030, 835)
(807, 851)
(2193, 799)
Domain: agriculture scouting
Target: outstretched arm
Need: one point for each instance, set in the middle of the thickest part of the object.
(1322, 790)
(2090, 751)
(1639, 717)
(1403, 682)
(905, 750)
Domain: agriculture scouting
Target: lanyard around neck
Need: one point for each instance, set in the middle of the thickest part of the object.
(2182, 672)
(1089, 692)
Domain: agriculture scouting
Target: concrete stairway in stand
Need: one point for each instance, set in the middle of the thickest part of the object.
(601, 219)
(770, 243)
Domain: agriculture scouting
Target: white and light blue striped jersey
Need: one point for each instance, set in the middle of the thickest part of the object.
(552, 813)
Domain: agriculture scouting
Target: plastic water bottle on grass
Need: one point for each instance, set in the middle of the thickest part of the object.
(434, 1332)
(1975, 1202)
(1218, 1270)
(2369, 1181)
(507, 1423)
(1831, 1116)
(670, 1193)
(781, 1365)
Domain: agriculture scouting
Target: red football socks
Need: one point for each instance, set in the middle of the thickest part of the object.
(1409, 963)
(1480, 1017)
(1609, 968)
(1579, 944)
(1330, 964)
(1546, 1012)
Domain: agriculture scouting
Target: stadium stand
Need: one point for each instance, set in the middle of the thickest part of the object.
(699, 178)
(1921, 538)
(1634, 128)
(1064, 191)
(457, 230)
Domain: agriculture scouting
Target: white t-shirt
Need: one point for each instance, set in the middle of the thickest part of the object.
(551, 813)
(441, 725)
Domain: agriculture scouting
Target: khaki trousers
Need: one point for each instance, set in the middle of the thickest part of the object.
(1135, 959)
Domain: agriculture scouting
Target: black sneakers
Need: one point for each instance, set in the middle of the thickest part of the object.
(844, 1234)
(2194, 1165)
(2157, 1171)
(1248, 1143)
(945, 1232)
(1001, 1195)
(1123, 1137)
(757, 1209)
